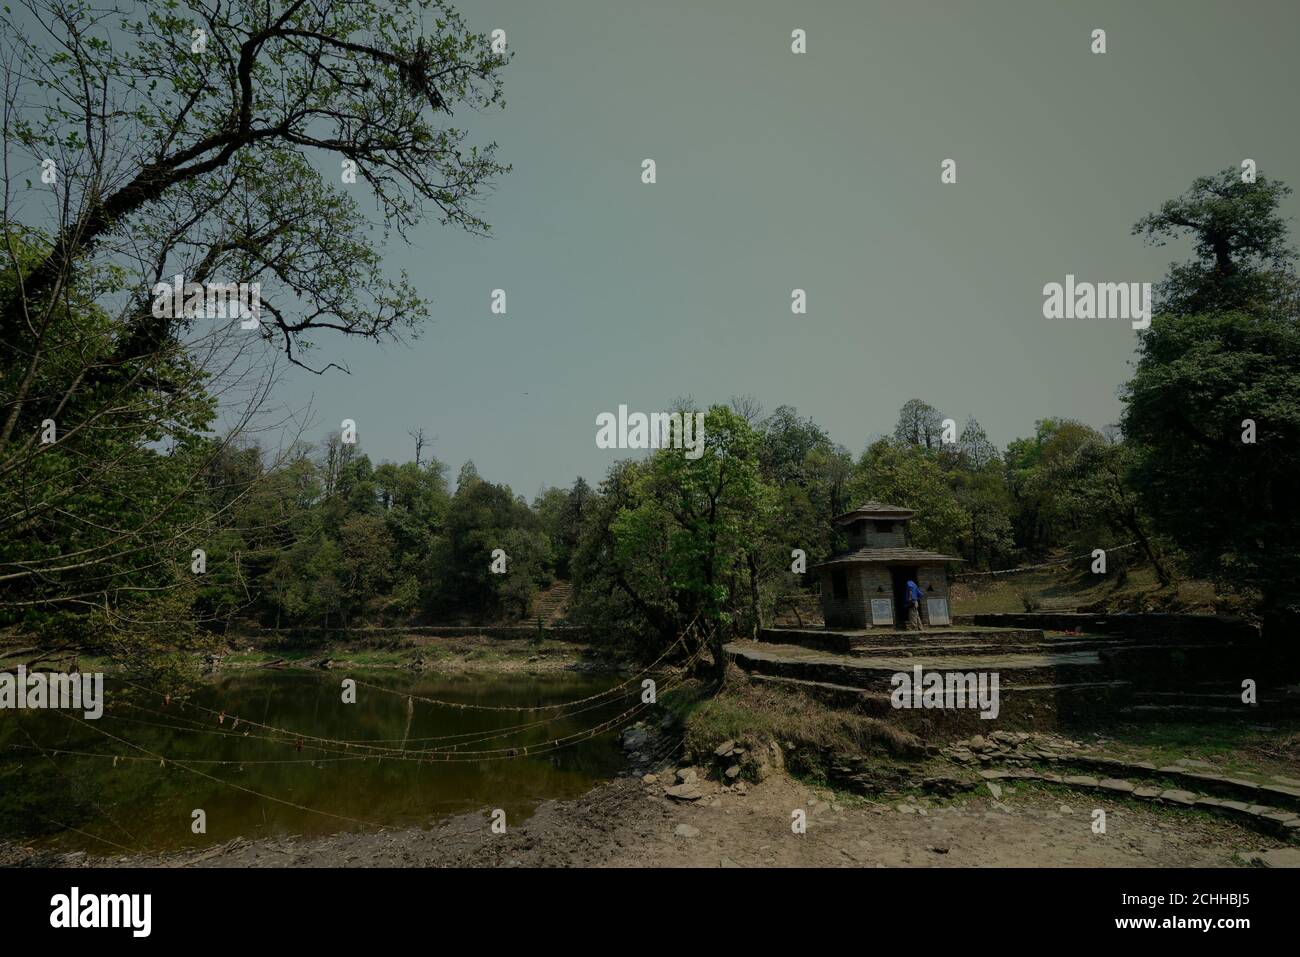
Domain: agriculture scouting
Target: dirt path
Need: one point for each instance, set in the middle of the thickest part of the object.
(631, 824)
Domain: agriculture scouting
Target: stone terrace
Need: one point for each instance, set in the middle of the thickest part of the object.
(1045, 679)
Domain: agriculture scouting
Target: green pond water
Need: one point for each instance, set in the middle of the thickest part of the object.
(86, 801)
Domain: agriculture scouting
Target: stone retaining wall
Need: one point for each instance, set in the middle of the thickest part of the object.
(1153, 627)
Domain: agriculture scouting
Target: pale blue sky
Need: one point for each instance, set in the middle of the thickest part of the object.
(818, 171)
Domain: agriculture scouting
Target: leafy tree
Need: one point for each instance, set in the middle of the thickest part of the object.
(907, 475)
(919, 423)
(670, 537)
(1229, 504)
(231, 148)
(1220, 360)
(218, 161)
(1242, 254)
(482, 517)
(101, 497)
(974, 447)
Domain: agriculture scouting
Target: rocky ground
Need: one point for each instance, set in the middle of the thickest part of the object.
(629, 823)
(665, 815)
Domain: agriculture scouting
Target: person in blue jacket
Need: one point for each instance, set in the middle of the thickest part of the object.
(913, 606)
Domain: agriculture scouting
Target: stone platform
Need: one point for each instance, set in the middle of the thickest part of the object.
(1045, 679)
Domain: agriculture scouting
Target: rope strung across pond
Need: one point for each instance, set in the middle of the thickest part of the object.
(1030, 568)
(540, 707)
(136, 757)
(69, 827)
(297, 738)
(291, 738)
(162, 761)
(93, 803)
(451, 753)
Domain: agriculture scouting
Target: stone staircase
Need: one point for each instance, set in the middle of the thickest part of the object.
(1270, 804)
(552, 605)
(1043, 678)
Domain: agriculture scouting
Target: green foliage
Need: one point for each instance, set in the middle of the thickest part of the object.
(1229, 504)
(911, 476)
(1242, 253)
(1224, 349)
(99, 521)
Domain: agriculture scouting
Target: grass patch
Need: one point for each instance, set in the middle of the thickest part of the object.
(1229, 747)
(1061, 588)
(757, 715)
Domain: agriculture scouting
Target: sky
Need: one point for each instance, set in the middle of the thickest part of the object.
(818, 171)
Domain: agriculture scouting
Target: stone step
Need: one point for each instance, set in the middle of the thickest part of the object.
(1006, 749)
(922, 649)
(1264, 817)
(1025, 706)
(874, 672)
(843, 641)
(840, 696)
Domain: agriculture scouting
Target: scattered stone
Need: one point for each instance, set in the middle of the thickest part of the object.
(685, 792)
(943, 784)
(649, 778)
(1065, 809)
(687, 775)
(994, 789)
(940, 848)
(686, 830)
(634, 739)
(1278, 857)
(977, 742)
(728, 862)
(733, 772)
(724, 748)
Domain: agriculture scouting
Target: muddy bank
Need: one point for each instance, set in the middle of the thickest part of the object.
(633, 823)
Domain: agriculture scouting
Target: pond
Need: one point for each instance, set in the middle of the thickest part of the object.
(268, 753)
